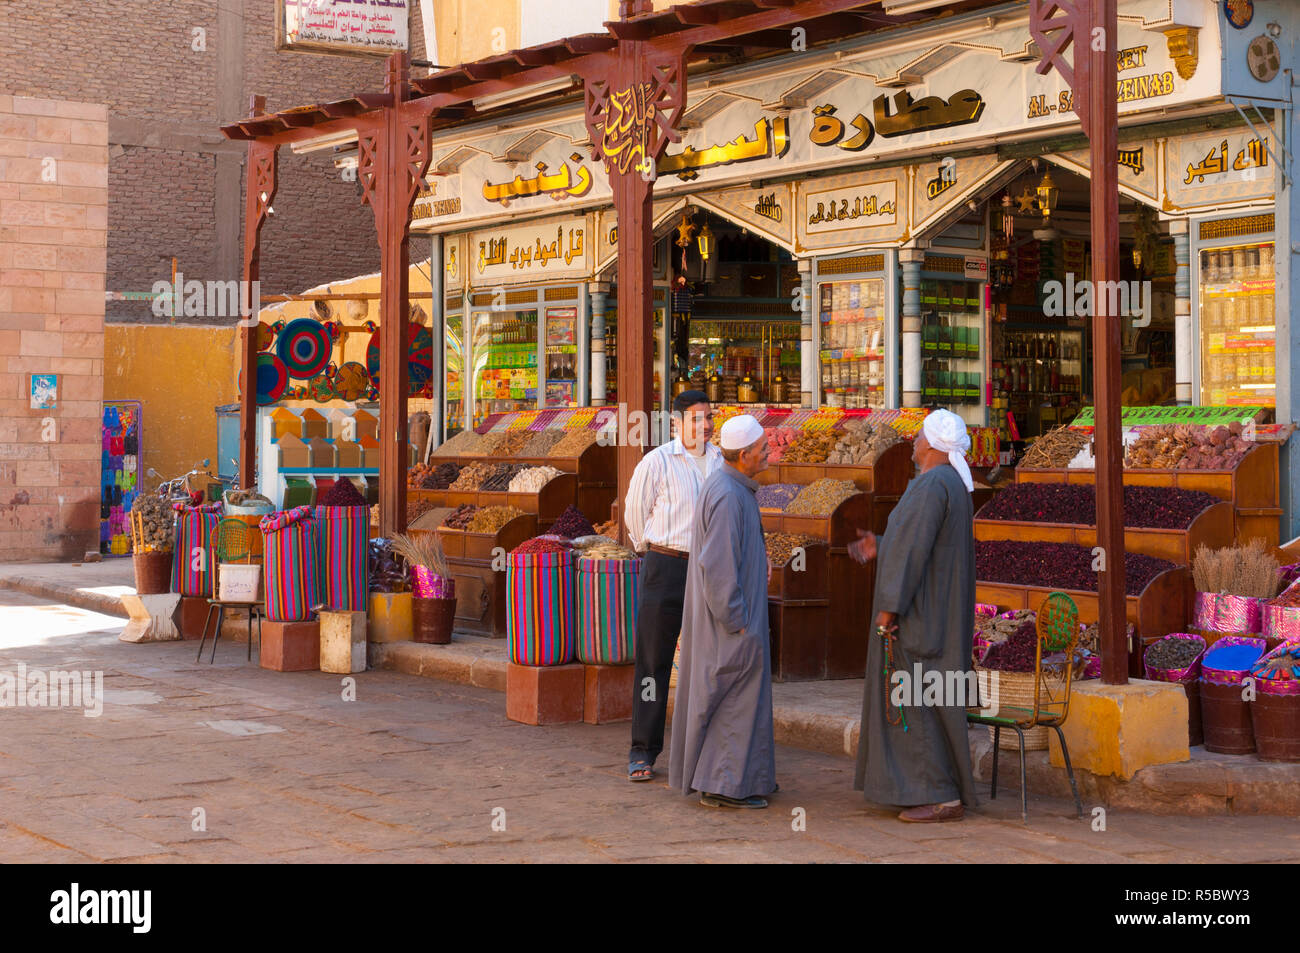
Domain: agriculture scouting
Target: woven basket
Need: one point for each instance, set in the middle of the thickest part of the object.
(1016, 689)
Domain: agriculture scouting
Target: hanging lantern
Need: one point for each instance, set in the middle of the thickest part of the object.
(705, 241)
(1137, 257)
(1008, 219)
(1048, 194)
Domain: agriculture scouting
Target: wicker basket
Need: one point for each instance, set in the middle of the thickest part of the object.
(1016, 689)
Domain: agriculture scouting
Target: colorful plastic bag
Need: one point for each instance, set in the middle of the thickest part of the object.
(196, 529)
(292, 578)
(539, 608)
(344, 536)
(606, 593)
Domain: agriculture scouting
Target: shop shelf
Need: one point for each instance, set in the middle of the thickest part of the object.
(1252, 488)
(1212, 527)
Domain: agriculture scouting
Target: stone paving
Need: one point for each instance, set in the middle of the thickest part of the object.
(282, 768)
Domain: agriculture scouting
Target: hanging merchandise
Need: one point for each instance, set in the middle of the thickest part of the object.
(120, 475)
(272, 379)
(304, 346)
(265, 336)
(351, 381)
(419, 358)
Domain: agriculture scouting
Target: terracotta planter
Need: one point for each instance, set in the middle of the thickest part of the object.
(153, 573)
(432, 620)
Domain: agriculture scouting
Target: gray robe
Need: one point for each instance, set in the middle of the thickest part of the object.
(722, 740)
(925, 572)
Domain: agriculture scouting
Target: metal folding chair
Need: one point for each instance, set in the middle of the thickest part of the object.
(233, 544)
(1058, 631)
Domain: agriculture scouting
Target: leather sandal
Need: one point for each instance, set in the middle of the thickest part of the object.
(932, 814)
(640, 771)
(721, 800)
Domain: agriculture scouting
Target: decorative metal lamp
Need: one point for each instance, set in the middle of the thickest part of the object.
(1048, 195)
(705, 241)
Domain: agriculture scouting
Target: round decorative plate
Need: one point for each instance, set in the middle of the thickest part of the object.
(419, 357)
(321, 389)
(272, 379)
(352, 381)
(304, 347)
(265, 336)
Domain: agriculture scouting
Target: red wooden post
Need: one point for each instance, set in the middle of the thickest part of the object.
(632, 116)
(1103, 143)
(259, 193)
(391, 160)
(1092, 27)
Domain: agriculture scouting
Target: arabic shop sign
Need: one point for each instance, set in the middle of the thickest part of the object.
(1202, 170)
(905, 117)
(560, 185)
(358, 27)
(1252, 155)
(538, 252)
(863, 206)
(771, 140)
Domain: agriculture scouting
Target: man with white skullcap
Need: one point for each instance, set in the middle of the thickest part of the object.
(722, 742)
(910, 755)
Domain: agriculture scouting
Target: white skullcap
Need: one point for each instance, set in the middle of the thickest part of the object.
(946, 432)
(740, 432)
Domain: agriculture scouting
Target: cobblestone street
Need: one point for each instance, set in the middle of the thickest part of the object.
(284, 769)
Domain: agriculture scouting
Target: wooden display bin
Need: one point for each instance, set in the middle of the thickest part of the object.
(1252, 488)
(547, 505)
(596, 469)
(1212, 527)
(888, 476)
(1164, 606)
(810, 582)
(798, 634)
(481, 588)
(850, 587)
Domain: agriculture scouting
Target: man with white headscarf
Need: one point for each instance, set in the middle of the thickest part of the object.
(917, 756)
(723, 743)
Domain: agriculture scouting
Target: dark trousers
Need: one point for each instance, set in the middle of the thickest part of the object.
(658, 622)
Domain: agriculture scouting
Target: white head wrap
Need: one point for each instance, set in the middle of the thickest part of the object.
(946, 432)
(740, 432)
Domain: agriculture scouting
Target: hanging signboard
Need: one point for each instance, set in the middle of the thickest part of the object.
(352, 27)
(1204, 171)
(537, 252)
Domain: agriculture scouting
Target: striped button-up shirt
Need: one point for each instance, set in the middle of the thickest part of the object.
(660, 504)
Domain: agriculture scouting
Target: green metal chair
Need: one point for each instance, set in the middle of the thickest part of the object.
(233, 544)
(1049, 702)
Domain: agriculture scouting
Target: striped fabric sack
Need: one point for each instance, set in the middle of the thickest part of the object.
(196, 531)
(605, 610)
(292, 577)
(344, 536)
(539, 608)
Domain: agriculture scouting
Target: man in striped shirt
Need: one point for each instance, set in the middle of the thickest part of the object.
(658, 513)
